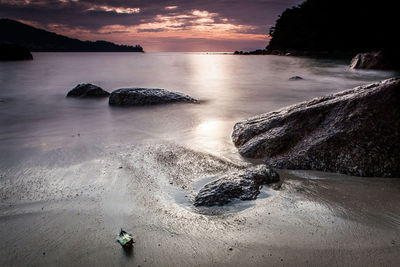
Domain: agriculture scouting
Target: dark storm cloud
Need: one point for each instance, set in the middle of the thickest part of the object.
(92, 15)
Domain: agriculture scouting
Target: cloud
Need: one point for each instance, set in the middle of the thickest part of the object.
(180, 19)
(118, 10)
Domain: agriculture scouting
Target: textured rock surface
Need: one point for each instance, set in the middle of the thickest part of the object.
(352, 132)
(147, 96)
(87, 90)
(244, 185)
(372, 60)
(14, 52)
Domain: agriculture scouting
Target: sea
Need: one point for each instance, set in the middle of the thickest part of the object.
(35, 113)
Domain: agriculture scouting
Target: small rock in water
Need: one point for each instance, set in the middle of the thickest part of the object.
(87, 90)
(244, 185)
(295, 78)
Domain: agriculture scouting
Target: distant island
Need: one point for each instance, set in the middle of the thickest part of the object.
(339, 28)
(38, 40)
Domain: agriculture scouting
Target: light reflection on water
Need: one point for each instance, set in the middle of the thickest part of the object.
(35, 113)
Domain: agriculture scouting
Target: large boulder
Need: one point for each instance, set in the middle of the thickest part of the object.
(87, 90)
(10, 52)
(146, 96)
(244, 185)
(353, 132)
(371, 60)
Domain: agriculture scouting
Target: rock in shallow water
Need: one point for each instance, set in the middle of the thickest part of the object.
(295, 78)
(353, 132)
(244, 185)
(147, 96)
(373, 60)
(87, 90)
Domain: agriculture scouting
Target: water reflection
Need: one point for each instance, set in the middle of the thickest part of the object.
(212, 134)
(37, 112)
(212, 77)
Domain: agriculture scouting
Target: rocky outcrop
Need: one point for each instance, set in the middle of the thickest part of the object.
(10, 52)
(312, 28)
(87, 90)
(244, 185)
(146, 96)
(255, 52)
(353, 132)
(372, 60)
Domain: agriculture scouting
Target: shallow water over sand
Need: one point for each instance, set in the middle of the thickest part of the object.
(73, 171)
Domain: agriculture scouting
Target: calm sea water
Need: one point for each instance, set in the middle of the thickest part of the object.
(36, 115)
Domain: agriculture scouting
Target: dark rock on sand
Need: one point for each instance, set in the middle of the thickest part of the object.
(353, 132)
(87, 90)
(295, 78)
(11, 52)
(146, 96)
(372, 60)
(244, 185)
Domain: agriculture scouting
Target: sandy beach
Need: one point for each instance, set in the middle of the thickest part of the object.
(70, 212)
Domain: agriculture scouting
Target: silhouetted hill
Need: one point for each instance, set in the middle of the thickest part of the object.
(337, 28)
(38, 40)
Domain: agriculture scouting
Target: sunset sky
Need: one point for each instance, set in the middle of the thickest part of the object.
(157, 25)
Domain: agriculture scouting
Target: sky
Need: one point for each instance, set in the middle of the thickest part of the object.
(157, 25)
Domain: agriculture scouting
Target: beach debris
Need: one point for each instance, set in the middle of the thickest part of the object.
(125, 239)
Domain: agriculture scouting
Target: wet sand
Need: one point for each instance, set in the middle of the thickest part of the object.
(64, 207)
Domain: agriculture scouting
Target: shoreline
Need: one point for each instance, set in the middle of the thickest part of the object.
(297, 53)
